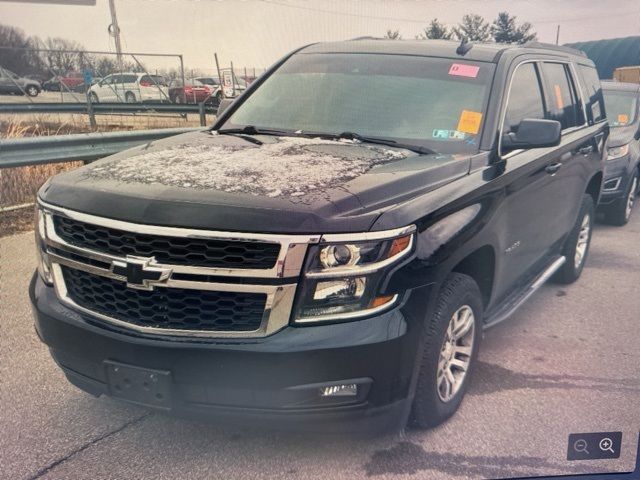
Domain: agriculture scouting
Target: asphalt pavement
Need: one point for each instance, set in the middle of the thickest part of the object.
(566, 362)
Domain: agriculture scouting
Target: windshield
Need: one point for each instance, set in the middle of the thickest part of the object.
(431, 102)
(621, 107)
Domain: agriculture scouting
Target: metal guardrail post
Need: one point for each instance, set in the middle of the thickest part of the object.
(203, 114)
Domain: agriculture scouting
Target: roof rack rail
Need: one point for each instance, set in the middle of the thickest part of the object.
(559, 48)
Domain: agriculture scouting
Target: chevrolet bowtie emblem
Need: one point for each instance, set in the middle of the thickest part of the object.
(139, 274)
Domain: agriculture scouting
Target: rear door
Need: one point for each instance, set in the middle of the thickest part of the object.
(579, 147)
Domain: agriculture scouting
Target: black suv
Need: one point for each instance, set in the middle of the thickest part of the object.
(330, 252)
(620, 186)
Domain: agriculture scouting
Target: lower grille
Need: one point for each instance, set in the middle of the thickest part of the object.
(169, 308)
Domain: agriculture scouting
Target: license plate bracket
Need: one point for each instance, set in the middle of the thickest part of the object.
(144, 386)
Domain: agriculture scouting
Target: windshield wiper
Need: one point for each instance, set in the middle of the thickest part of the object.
(251, 130)
(379, 141)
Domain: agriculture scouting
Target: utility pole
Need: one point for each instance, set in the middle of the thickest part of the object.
(114, 30)
(558, 35)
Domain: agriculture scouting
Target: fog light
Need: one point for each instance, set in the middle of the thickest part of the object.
(345, 390)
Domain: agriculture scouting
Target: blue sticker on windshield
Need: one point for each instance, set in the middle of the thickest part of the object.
(448, 134)
(444, 134)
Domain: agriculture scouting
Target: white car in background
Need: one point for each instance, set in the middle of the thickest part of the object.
(130, 87)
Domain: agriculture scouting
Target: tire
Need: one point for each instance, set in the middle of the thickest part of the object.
(130, 97)
(620, 213)
(93, 98)
(178, 99)
(32, 90)
(432, 404)
(580, 235)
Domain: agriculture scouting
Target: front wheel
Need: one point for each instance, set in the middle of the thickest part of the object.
(576, 246)
(620, 213)
(32, 91)
(451, 340)
(93, 97)
(130, 97)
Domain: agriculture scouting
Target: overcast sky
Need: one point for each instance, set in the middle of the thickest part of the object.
(258, 32)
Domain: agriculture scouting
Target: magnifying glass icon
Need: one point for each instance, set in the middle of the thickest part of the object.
(606, 444)
(580, 446)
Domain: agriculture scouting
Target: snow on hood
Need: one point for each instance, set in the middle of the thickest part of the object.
(288, 167)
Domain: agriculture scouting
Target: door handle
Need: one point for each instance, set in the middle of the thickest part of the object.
(553, 168)
(586, 150)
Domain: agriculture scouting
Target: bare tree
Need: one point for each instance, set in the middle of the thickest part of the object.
(16, 58)
(393, 35)
(63, 54)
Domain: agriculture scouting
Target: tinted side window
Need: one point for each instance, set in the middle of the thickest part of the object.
(561, 96)
(525, 97)
(128, 78)
(593, 92)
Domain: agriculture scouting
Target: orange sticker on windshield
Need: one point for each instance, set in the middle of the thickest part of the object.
(469, 122)
(559, 102)
(622, 118)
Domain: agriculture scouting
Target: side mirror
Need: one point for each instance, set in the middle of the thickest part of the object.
(533, 133)
(224, 104)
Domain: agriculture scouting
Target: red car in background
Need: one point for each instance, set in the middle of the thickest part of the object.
(193, 91)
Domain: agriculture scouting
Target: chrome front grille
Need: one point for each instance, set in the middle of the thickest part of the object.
(157, 290)
(200, 252)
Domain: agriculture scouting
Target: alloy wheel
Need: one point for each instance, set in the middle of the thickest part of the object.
(583, 240)
(455, 355)
(631, 198)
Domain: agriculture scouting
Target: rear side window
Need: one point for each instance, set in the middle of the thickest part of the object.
(593, 93)
(561, 96)
(153, 80)
(525, 97)
(128, 79)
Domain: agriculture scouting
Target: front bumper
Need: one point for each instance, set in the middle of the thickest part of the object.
(272, 381)
(617, 174)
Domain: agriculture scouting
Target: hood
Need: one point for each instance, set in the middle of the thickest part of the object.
(622, 135)
(233, 183)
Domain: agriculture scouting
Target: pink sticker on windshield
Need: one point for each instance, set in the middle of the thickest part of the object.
(462, 70)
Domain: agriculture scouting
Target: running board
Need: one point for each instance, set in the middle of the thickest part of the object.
(512, 303)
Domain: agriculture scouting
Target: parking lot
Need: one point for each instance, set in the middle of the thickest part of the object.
(566, 362)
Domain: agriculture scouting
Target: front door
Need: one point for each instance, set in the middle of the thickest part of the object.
(532, 221)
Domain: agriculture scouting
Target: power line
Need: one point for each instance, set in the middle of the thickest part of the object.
(422, 22)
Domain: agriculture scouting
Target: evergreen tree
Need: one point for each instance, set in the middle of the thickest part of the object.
(505, 30)
(435, 30)
(474, 28)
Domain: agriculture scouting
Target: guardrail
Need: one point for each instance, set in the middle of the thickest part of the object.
(84, 146)
(106, 108)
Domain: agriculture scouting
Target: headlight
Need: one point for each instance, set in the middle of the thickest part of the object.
(44, 265)
(344, 273)
(617, 152)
